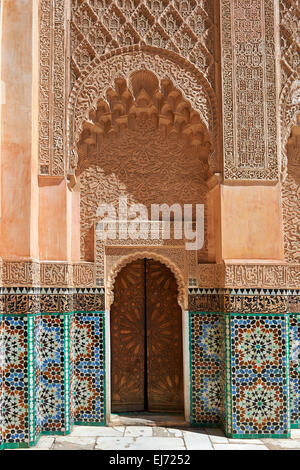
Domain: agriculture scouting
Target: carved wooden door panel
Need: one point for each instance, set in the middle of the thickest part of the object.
(164, 340)
(146, 340)
(128, 340)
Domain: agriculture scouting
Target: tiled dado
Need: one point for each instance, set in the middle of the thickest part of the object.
(206, 334)
(294, 338)
(243, 375)
(257, 375)
(52, 367)
(245, 352)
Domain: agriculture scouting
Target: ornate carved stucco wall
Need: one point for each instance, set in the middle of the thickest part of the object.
(54, 309)
(290, 126)
(198, 18)
(174, 41)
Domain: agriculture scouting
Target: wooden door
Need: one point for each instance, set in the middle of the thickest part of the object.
(146, 340)
(128, 339)
(164, 340)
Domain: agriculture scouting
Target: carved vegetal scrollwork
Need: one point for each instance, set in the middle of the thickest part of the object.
(290, 73)
(52, 88)
(290, 125)
(291, 196)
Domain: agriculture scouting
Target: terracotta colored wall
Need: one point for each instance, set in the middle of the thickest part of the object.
(19, 217)
(75, 230)
(251, 223)
(59, 230)
(214, 224)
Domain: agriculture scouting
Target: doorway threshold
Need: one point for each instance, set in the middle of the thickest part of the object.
(147, 419)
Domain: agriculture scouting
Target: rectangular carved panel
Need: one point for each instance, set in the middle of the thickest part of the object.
(249, 90)
(52, 87)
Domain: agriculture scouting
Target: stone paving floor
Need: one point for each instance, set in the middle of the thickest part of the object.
(159, 438)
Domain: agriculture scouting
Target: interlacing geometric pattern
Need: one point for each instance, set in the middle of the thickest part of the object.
(295, 369)
(205, 336)
(87, 357)
(49, 373)
(53, 366)
(259, 371)
(14, 375)
(36, 369)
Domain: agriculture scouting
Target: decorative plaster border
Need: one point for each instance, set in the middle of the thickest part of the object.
(124, 260)
(263, 276)
(46, 274)
(231, 276)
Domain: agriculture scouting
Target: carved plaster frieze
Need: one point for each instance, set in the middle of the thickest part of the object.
(46, 274)
(268, 276)
(20, 273)
(290, 126)
(262, 276)
(84, 275)
(55, 274)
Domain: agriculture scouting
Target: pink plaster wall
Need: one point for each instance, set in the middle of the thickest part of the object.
(19, 187)
(75, 234)
(251, 223)
(214, 224)
(59, 225)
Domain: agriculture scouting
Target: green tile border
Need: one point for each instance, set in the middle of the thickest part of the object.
(190, 372)
(15, 445)
(31, 378)
(253, 314)
(295, 425)
(67, 395)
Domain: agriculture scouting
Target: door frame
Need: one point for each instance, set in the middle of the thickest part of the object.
(185, 350)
